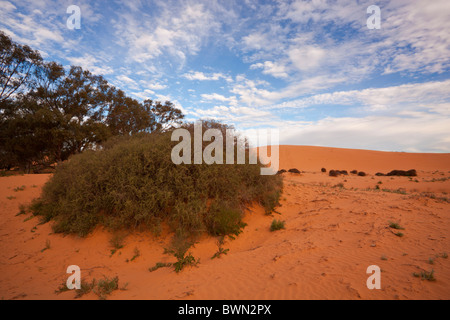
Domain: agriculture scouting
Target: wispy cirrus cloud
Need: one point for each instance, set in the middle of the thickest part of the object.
(200, 76)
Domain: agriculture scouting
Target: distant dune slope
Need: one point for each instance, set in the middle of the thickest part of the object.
(310, 158)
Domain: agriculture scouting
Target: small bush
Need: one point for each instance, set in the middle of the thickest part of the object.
(85, 288)
(220, 252)
(333, 173)
(409, 173)
(395, 225)
(277, 225)
(425, 275)
(131, 182)
(159, 265)
(184, 260)
(19, 188)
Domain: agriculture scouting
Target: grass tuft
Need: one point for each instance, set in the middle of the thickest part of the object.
(160, 265)
(396, 226)
(277, 225)
(425, 275)
(19, 188)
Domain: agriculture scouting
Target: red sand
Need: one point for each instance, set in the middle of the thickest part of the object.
(333, 233)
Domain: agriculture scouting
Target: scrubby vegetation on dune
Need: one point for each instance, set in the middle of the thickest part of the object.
(131, 182)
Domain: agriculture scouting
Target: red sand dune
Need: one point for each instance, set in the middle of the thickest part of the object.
(335, 228)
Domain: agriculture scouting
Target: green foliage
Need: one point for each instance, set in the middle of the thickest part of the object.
(105, 287)
(395, 225)
(137, 254)
(159, 265)
(47, 245)
(224, 220)
(48, 113)
(102, 288)
(117, 242)
(184, 260)
(220, 252)
(132, 182)
(277, 225)
(22, 210)
(425, 275)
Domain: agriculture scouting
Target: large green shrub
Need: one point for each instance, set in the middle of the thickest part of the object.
(132, 182)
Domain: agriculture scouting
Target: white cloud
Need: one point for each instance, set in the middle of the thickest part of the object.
(276, 70)
(124, 78)
(89, 62)
(411, 96)
(218, 97)
(197, 75)
(174, 30)
(307, 57)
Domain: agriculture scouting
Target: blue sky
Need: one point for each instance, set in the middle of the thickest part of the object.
(311, 69)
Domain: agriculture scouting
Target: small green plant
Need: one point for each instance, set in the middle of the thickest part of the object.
(22, 210)
(137, 253)
(444, 255)
(431, 261)
(19, 188)
(220, 252)
(399, 234)
(396, 226)
(10, 197)
(340, 185)
(184, 261)
(101, 288)
(277, 225)
(28, 218)
(383, 257)
(85, 288)
(116, 242)
(399, 191)
(105, 287)
(159, 265)
(179, 247)
(47, 245)
(425, 275)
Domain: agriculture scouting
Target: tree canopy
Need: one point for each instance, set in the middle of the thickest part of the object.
(48, 113)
